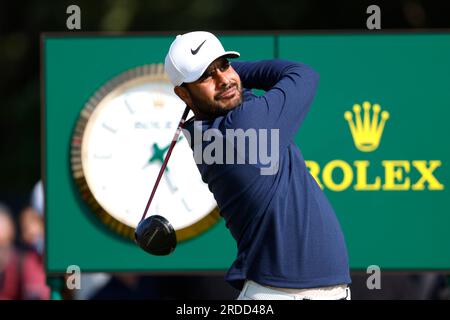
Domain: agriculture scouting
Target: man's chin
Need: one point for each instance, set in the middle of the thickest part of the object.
(223, 110)
(232, 103)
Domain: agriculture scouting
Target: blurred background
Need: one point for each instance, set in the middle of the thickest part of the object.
(21, 210)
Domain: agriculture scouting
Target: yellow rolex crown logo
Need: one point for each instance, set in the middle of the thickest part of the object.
(366, 132)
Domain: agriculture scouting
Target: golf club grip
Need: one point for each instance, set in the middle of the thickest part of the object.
(166, 159)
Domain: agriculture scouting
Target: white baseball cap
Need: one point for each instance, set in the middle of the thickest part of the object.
(191, 53)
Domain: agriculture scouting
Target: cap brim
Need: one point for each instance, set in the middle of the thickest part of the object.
(227, 54)
(232, 54)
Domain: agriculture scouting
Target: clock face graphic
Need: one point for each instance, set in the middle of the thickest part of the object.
(117, 149)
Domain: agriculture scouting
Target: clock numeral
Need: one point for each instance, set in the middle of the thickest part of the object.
(103, 156)
(105, 126)
(140, 125)
(186, 205)
(172, 187)
(152, 125)
(128, 106)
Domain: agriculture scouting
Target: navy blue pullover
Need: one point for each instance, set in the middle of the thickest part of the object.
(286, 231)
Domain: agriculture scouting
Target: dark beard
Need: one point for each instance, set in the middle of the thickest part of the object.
(214, 110)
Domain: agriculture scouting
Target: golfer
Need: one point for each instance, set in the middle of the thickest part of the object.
(289, 242)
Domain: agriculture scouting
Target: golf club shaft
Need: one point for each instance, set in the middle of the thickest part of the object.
(166, 159)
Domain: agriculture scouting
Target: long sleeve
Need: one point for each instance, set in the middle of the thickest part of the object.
(290, 88)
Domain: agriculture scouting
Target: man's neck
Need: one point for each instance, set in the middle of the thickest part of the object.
(201, 116)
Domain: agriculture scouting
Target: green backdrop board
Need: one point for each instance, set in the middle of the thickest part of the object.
(375, 140)
(397, 225)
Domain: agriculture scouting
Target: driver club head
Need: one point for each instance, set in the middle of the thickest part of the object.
(156, 235)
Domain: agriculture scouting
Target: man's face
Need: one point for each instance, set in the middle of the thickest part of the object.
(217, 91)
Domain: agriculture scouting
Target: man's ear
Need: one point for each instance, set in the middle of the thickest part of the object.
(183, 94)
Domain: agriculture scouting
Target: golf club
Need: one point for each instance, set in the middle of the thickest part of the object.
(155, 234)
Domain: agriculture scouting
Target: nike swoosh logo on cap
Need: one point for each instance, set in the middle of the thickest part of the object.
(194, 52)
